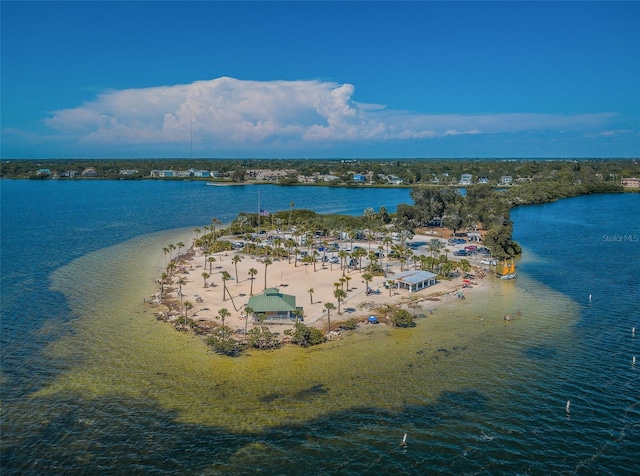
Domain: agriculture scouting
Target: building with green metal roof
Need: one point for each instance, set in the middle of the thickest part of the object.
(274, 306)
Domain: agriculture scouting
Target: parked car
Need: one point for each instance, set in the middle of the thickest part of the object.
(460, 253)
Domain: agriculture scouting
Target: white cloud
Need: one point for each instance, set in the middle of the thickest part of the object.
(228, 112)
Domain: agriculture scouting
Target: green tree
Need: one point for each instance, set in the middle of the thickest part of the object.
(267, 262)
(222, 315)
(390, 284)
(367, 279)
(329, 307)
(340, 296)
(249, 313)
(205, 276)
(305, 336)
(187, 307)
(402, 318)
(235, 260)
(311, 291)
(252, 277)
(225, 277)
(180, 282)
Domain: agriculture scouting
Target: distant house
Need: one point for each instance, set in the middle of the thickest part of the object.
(506, 180)
(161, 173)
(465, 179)
(359, 178)
(201, 173)
(274, 306)
(330, 178)
(631, 182)
(128, 172)
(394, 180)
(415, 280)
(474, 236)
(89, 172)
(43, 172)
(482, 180)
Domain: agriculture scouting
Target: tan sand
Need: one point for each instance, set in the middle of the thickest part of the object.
(297, 280)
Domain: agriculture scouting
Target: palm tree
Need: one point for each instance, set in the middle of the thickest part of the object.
(248, 312)
(165, 251)
(187, 305)
(252, 276)
(266, 262)
(235, 260)
(214, 222)
(329, 307)
(291, 205)
(434, 246)
(225, 277)
(347, 279)
(390, 283)
(205, 275)
(367, 278)
(290, 244)
(211, 260)
(311, 291)
(339, 294)
(171, 268)
(180, 282)
(344, 256)
(180, 245)
(163, 279)
(298, 313)
(222, 315)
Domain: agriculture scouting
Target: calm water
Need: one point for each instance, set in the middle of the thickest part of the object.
(92, 383)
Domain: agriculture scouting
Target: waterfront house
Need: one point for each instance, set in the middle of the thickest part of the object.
(415, 280)
(465, 179)
(631, 182)
(89, 172)
(506, 180)
(274, 306)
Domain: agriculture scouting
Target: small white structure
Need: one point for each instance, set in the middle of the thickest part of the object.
(414, 280)
(465, 179)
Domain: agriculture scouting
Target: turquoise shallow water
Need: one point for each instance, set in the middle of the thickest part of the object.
(91, 382)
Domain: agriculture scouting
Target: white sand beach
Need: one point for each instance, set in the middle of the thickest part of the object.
(297, 279)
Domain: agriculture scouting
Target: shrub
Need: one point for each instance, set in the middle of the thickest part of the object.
(402, 318)
(305, 336)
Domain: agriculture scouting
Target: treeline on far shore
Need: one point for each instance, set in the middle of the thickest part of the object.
(406, 172)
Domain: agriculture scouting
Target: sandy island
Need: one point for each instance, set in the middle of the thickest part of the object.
(296, 278)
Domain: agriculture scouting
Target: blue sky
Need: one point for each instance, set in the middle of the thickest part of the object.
(320, 79)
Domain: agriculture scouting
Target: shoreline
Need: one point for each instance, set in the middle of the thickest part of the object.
(296, 279)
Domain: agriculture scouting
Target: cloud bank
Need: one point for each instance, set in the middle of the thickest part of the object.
(227, 112)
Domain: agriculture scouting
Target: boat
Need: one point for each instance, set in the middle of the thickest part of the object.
(508, 270)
